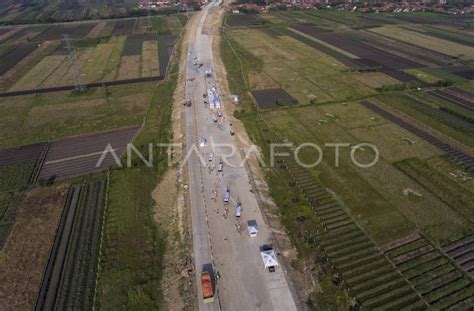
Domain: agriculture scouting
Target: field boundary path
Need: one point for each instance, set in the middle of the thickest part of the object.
(72, 87)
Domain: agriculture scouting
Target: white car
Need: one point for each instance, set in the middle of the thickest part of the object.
(210, 157)
(227, 196)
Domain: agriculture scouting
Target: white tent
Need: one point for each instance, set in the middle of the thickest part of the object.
(269, 258)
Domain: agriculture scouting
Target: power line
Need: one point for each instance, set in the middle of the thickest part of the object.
(78, 86)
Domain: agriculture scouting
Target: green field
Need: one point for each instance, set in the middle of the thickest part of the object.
(133, 243)
(411, 189)
(290, 64)
(43, 117)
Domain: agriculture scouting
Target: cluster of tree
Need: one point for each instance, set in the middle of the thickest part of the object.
(400, 87)
(457, 114)
(131, 13)
(444, 83)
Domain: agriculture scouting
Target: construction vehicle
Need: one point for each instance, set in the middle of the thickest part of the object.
(206, 286)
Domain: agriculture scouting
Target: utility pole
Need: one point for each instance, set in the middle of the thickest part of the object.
(78, 86)
(148, 7)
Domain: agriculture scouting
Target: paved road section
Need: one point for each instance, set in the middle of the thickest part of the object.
(220, 240)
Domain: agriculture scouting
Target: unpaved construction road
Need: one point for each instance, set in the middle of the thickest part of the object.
(218, 242)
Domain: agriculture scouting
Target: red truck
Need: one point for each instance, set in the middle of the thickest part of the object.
(206, 286)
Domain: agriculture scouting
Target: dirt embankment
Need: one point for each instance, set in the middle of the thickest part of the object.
(25, 254)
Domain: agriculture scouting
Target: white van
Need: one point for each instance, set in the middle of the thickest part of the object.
(238, 210)
(227, 196)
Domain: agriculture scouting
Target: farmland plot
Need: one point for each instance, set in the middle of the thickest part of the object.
(63, 75)
(70, 277)
(444, 122)
(84, 155)
(272, 98)
(43, 117)
(124, 27)
(133, 245)
(334, 212)
(25, 255)
(129, 67)
(242, 20)
(150, 59)
(352, 254)
(351, 183)
(165, 47)
(15, 55)
(440, 283)
(94, 67)
(40, 72)
(290, 63)
(174, 24)
(97, 30)
(113, 63)
(462, 252)
(436, 44)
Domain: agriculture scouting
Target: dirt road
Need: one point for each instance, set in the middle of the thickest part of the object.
(220, 240)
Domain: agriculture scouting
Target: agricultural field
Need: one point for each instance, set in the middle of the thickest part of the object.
(48, 11)
(272, 98)
(440, 282)
(33, 57)
(46, 117)
(74, 255)
(23, 258)
(65, 160)
(397, 234)
(52, 140)
(133, 244)
(18, 170)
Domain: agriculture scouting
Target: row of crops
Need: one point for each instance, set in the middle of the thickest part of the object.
(462, 252)
(433, 275)
(69, 281)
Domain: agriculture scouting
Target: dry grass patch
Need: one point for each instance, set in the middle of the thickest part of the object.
(150, 63)
(435, 44)
(26, 253)
(375, 79)
(96, 30)
(94, 68)
(129, 67)
(63, 75)
(40, 72)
